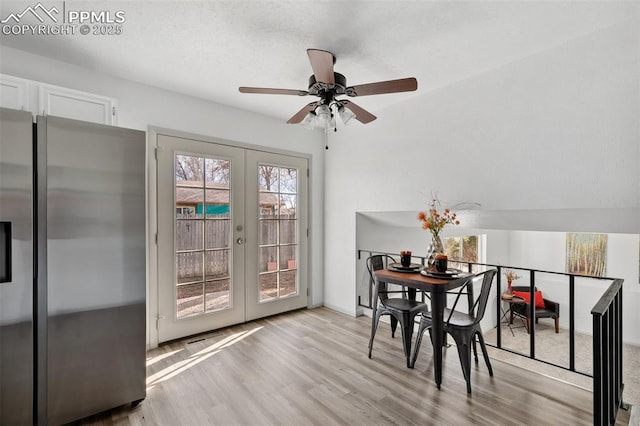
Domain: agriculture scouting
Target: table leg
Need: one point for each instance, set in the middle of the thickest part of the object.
(437, 327)
(505, 313)
(407, 332)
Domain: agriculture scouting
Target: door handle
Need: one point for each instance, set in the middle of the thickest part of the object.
(5, 257)
(240, 241)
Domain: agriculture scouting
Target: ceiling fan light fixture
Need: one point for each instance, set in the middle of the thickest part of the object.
(346, 115)
(332, 123)
(310, 121)
(323, 112)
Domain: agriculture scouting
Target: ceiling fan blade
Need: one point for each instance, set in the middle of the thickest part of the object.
(268, 91)
(362, 115)
(391, 86)
(322, 64)
(299, 116)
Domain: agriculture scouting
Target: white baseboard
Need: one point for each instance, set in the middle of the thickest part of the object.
(351, 313)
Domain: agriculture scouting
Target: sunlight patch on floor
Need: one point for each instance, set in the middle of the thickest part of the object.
(193, 360)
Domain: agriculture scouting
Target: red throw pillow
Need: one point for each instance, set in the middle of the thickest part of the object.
(525, 295)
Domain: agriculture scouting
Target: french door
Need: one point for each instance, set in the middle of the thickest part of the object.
(232, 239)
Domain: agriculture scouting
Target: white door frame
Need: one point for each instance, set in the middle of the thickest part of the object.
(152, 215)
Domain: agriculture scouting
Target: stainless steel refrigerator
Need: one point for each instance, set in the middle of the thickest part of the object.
(72, 268)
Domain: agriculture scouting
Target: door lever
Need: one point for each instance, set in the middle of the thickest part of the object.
(5, 252)
(240, 241)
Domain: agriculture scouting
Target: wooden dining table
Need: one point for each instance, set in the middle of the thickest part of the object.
(437, 287)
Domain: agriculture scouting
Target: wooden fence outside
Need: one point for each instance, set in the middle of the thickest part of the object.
(213, 236)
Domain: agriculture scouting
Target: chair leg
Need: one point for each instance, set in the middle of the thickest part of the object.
(475, 350)
(406, 325)
(528, 326)
(394, 325)
(484, 353)
(557, 320)
(374, 325)
(464, 352)
(416, 349)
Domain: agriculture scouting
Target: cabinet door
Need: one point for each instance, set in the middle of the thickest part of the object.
(14, 92)
(76, 105)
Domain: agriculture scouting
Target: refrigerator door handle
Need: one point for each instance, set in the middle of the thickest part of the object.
(5, 254)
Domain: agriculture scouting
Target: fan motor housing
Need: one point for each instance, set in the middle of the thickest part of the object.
(318, 88)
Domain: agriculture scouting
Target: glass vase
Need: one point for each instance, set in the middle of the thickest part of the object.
(435, 246)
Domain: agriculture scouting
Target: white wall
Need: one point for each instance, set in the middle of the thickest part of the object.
(547, 251)
(556, 130)
(142, 106)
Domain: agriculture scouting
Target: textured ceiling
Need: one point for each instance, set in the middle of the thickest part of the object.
(208, 49)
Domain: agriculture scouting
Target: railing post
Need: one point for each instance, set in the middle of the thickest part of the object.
(572, 325)
(532, 314)
(499, 308)
(597, 370)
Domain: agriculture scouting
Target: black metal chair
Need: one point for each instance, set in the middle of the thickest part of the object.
(401, 310)
(523, 310)
(463, 327)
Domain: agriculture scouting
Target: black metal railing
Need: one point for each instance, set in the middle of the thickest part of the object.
(607, 356)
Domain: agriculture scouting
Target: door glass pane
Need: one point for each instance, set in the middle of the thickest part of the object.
(287, 206)
(217, 264)
(268, 205)
(202, 234)
(268, 178)
(288, 231)
(268, 232)
(217, 173)
(288, 283)
(189, 267)
(288, 257)
(268, 259)
(189, 170)
(217, 233)
(190, 233)
(217, 203)
(288, 180)
(278, 228)
(190, 300)
(268, 286)
(218, 294)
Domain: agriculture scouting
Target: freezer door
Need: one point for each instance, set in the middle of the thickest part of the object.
(96, 266)
(16, 267)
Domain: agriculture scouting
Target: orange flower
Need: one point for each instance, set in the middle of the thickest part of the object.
(434, 221)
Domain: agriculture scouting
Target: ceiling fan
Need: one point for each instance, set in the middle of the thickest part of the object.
(327, 84)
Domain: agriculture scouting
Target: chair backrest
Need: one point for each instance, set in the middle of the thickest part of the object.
(483, 298)
(480, 304)
(376, 263)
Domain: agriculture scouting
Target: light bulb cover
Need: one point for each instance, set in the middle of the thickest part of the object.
(323, 113)
(310, 121)
(346, 115)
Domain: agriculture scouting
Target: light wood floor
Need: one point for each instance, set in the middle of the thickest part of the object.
(311, 367)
